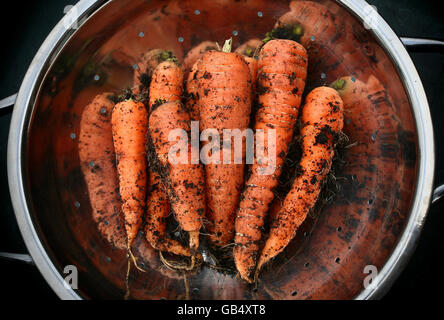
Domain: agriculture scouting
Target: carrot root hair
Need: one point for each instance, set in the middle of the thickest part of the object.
(128, 292)
(181, 266)
(133, 258)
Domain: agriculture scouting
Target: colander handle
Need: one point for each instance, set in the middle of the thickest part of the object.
(422, 44)
(8, 102)
(438, 193)
(26, 258)
(21, 257)
(428, 45)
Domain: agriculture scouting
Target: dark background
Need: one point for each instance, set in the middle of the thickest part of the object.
(23, 35)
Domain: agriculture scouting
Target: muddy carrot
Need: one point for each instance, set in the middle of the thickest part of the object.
(224, 98)
(145, 67)
(190, 67)
(183, 181)
(97, 160)
(281, 81)
(315, 27)
(166, 83)
(129, 128)
(249, 50)
(166, 86)
(322, 119)
(191, 102)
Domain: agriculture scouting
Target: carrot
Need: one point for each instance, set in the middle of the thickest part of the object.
(249, 50)
(192, 92)
(129, 122)
(322, 119)
(224, 98)
(97, 161)
(281, 81)
(166, 83)
(315, 27)
(166, 86)
(145, 67)
(184, 182)
(190, 67)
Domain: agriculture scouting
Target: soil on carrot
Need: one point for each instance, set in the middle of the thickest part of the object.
(127, 94)
(285, 31)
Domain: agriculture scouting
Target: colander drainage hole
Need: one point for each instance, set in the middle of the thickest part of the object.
(294, 293)
(337, 260)
(339, 229)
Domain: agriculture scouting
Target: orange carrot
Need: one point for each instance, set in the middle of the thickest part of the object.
(191, 62)
(248, 50)
(145, 67)
(192, 92)
(315, 27)
(97, 160)
(129, 127)
(224, 99)
(184, 182)
(322, 119)
(158, 209)
(166, 83)
(281, 81)
(166, 86)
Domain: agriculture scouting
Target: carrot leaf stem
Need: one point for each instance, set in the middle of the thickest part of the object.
(338, 84)
(228, 45)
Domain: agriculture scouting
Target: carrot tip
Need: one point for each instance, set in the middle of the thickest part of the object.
(127, 293)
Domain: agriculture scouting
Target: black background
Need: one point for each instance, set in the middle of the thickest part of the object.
(31, 21)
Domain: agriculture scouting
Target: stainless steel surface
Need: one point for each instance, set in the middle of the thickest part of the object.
(8, 102)
(59, 38)
(390, 41)
(26, 258)
(24, 102)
